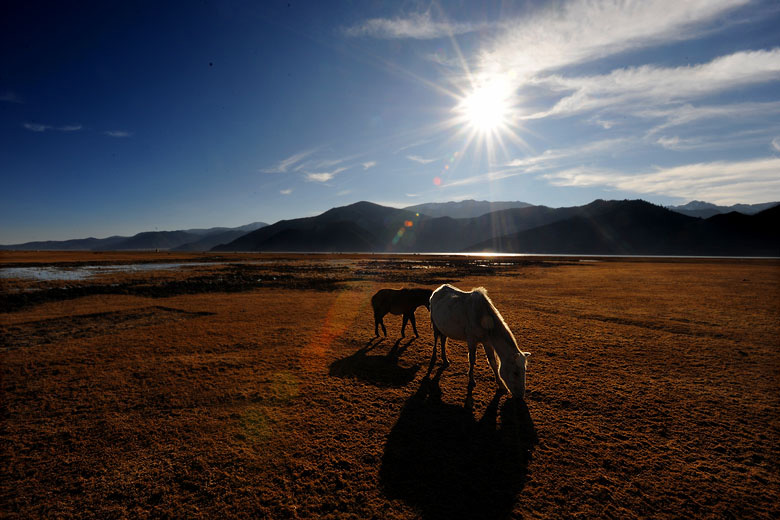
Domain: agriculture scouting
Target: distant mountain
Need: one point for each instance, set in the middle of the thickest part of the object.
(630, 227)
(635, 227)
(205, 243)
(246, 228)
(698, 208)
(384, 229)
(464, 208)
(77, 244)
(363, 226)
(189, 240)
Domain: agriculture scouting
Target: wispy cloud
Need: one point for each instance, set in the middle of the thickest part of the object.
(418, 26)
(418, 159)
(291, 162)
(554, 158)
(584, 30)
(286, 192)
(686, 114)
(37, 127)
(118, 133)
(649, 85)
(10, 97)
(368, 164)
(776, 144)
(720, 182)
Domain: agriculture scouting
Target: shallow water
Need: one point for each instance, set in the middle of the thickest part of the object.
(86, 271)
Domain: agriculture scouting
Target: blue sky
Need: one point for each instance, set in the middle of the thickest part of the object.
(121, 117)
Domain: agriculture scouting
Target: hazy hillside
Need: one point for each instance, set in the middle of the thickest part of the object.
(214, 239)
(187, 240)
(463, 208)
(77, 244)
(697, 208)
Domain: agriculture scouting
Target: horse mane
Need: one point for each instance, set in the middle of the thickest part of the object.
(503, 331)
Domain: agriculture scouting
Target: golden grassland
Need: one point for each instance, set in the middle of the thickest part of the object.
(254, 388)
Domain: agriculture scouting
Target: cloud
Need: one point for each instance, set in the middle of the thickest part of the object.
(323, 176)
(368, 164)
(286, 192)
(720, 182)
(776, 144)
(420, 26)
(687, 113)
(117, 133)
(650, 84)
(554, 158)
(343, 192)
(294, 162)
(10, 97)
(36, 127)
(418, 159)
(320, 177)
(585, 30)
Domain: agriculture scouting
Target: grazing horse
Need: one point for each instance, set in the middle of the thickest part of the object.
(472, 317)
(398, 301)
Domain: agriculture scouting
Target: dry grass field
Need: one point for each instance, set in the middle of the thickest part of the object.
(251, 386)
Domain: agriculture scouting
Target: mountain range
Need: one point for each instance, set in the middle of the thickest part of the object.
(627, 227)
(182, 240)
(464, 208)
(698, 208)
(601, 227)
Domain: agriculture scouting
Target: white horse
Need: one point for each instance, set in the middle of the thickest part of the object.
(472, 317)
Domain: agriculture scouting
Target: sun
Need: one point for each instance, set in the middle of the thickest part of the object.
(487, 109)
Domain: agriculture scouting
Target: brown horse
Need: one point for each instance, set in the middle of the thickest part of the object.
(398, 301)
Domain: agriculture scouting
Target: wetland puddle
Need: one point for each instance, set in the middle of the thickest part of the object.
(51, 273)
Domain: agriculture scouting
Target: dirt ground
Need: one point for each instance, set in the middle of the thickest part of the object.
(253, 387)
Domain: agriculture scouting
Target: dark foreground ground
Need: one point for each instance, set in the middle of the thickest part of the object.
(254, 388)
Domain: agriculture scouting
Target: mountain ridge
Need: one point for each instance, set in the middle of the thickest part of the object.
(600, 227)
(179, 240)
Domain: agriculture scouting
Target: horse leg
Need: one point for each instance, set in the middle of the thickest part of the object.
(472, 360)
(490, 354)
(444, 361)
(433, 356)
(414, 324)
(376, 324)
(403, 326)
(381, 320)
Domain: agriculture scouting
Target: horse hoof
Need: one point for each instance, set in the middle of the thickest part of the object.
(445, 363)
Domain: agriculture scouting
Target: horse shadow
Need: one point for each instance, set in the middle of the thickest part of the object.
(381, 370)
(439, 459)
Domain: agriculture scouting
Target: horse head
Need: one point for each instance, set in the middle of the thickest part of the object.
(513, 374)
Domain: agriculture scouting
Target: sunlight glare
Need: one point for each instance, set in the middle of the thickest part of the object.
(488, 107)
